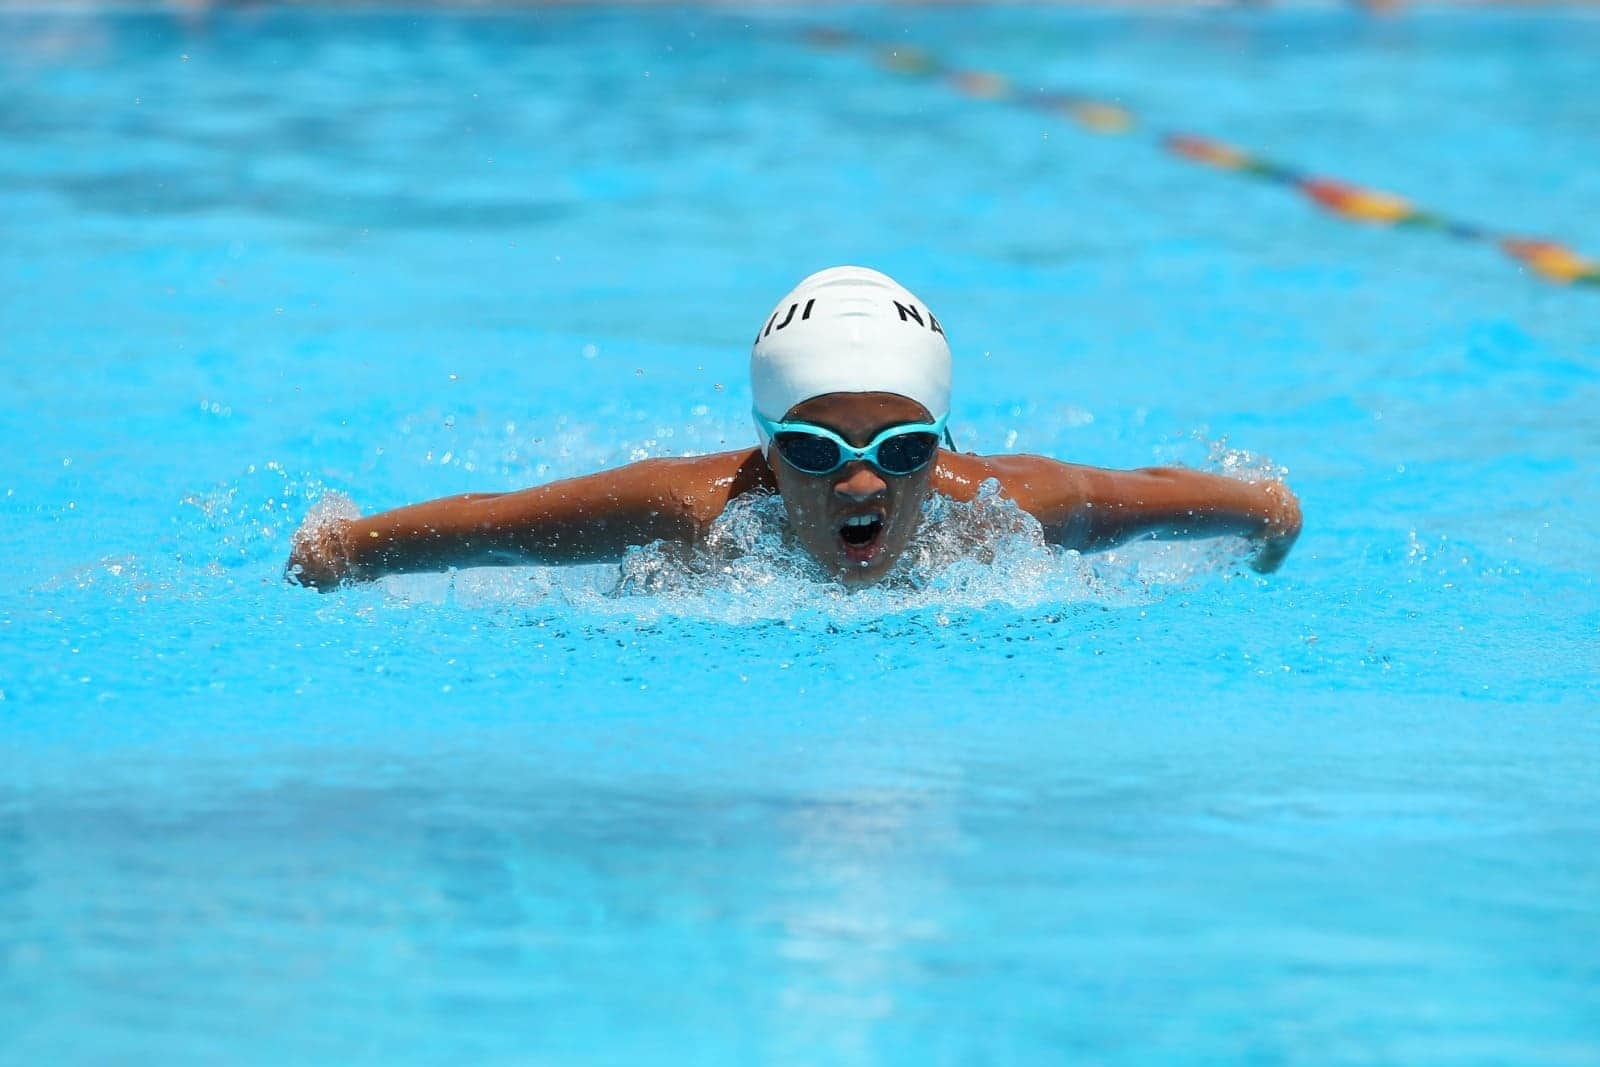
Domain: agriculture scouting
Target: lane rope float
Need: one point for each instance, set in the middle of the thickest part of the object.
(1549, 260)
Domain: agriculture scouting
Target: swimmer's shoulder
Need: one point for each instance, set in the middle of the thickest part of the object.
(1022, 477)
(703, 485)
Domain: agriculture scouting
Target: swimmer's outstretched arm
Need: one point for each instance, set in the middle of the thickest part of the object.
(1090, 508)
(592, 519)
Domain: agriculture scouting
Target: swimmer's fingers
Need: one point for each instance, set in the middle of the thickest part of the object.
(1281, 531)
(319, 556)
(1270, 556)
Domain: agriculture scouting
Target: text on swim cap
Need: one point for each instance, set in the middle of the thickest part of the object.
(907, 312)
(787, 318)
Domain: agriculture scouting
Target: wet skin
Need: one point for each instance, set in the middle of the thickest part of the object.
(598, 517)
(819, 504)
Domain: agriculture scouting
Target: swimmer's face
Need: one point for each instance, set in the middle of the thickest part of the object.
(821, 506)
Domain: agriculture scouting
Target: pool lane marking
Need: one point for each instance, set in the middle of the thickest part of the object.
(1550, 260)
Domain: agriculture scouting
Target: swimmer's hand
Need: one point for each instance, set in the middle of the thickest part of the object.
(1280, 529)
(320, 557)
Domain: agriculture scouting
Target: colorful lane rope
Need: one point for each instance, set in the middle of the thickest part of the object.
(1551, 261)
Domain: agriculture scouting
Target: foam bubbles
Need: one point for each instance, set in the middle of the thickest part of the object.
(1238, 463)
(333, 506)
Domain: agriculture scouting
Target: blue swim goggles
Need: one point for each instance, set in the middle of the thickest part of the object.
(897, 451)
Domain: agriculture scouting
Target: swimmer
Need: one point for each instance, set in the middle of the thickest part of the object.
(850, 376)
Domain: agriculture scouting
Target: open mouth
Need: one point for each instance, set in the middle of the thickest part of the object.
(859, 535)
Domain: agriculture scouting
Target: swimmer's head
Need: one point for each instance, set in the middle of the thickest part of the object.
(848, 330)
(851, 352)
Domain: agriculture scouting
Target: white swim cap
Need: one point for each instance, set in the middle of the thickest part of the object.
(849, 330)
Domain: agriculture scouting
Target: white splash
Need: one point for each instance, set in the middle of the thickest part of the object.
(333, 506)
(1238, 463)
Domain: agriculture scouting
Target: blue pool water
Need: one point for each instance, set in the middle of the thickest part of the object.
(1135, 808)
